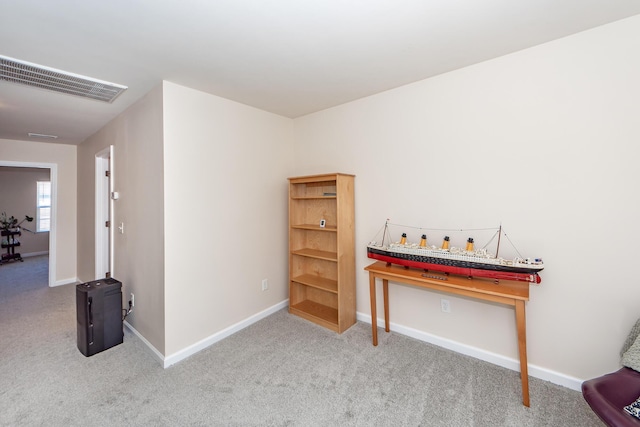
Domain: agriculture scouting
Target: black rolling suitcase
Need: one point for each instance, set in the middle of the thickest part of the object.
(99, 312)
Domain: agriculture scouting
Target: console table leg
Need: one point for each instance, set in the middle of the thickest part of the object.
(374, 315)
(522, 347)
(385, 292)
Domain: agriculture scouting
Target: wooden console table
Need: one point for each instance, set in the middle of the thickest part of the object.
(505, 292)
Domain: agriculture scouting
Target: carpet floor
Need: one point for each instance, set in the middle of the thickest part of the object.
(281, 371)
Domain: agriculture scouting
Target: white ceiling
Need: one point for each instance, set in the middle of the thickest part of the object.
(290, 57)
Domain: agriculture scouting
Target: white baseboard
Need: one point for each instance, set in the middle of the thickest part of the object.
(155, 351)
(30, 254)
(65, 281)
(487, 356)
(192, 349)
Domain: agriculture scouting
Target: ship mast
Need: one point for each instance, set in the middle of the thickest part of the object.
(499, 235)
(385, 233)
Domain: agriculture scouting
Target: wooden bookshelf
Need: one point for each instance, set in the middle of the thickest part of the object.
(321, 250)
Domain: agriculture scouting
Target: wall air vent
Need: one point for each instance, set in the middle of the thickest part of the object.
(26, 73)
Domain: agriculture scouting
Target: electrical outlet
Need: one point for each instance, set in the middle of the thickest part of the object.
(444, 304)
(265, 284)
(133, 301)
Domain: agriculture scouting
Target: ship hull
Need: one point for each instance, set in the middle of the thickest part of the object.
(470, 269)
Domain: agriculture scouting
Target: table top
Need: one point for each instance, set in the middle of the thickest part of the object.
(451, 283)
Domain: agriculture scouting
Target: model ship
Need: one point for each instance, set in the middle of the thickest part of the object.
(466, 261)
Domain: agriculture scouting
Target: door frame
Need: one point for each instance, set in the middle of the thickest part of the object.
(53, 177)
(104, 212)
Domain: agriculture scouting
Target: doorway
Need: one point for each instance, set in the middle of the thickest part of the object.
(53, 176)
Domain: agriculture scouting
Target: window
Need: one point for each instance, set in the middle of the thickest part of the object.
(43, 206)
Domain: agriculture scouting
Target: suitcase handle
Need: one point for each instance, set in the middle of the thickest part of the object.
(90, 303)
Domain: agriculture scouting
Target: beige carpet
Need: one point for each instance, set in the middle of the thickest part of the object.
(281, 371)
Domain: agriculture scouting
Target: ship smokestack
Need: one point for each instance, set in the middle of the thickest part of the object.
(469, 244)
(403, 240)
(423, 240)
(445, 242)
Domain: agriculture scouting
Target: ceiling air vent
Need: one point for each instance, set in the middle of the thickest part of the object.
(26, 73)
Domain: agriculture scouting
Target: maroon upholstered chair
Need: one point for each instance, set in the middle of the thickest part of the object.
(609, 394)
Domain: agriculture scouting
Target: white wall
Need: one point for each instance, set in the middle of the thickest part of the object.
(136, 135)
(64, 157)
(225, 202)
(544, 141)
